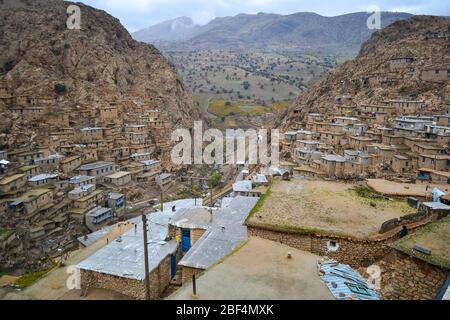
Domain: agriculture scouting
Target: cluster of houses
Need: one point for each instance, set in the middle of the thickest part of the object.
(395, 138)
(184, 239)
(79, 174)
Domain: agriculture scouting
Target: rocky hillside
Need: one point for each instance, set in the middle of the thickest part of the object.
(403, 39)
(299, 32)
(98, 64)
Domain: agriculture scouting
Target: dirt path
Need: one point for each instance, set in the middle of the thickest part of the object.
(53, 286)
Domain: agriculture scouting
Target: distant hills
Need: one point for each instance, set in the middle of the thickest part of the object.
(178, 29)
(299, 32)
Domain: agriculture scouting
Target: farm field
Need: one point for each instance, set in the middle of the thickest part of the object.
(258, 76)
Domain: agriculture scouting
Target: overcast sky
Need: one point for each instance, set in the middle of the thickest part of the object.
(138, 14)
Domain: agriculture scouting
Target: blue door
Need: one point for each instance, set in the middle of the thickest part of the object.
(173, 266)
(186, 239)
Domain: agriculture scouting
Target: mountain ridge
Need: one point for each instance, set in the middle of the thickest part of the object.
(300, 32)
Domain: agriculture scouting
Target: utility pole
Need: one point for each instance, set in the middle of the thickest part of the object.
(147, 271)
(162, 198)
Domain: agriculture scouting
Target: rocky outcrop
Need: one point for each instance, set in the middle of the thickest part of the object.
(403, 39)
(99, 64)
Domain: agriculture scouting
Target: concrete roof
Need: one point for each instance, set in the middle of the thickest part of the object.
(80, 179)
(260, 270)
(94, 165)
(118, 175)
(242, 186)
(193, 218)
(43, 176)
(225, 233)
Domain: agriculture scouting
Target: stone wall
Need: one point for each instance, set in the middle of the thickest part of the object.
(187, 274)
(354, 252)
(407, 278)
(159, 280)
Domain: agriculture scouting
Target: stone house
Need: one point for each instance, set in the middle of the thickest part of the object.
(26, 157)
(414, 271)
(163, 179)
(224, 234)
(406, 106)
(69, 164)
(359, 143)
(81, 181)
(116, 201)
(29, 171)
(433, 176)
(443, 120)
(49, 163)
(332, 138)
(105, 268)
(97, 169)
(109, 114)
(98, 217)
(91, 134)
(333, 165)
(13, 184)
(435, 162)
(119, 178)
(35, 200)
(377, 108)
(429, 149)
(95, 198)
(400, 63)
(43, 179)
(401, 164)
(141, 156)
(435, 74)
(392, 140)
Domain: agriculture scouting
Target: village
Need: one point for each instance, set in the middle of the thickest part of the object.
(92, 206)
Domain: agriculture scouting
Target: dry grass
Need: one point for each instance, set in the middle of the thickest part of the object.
(435, 236)
(319, 206)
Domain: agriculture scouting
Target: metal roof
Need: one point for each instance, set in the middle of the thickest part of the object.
(94, 165)
(346, 283)
(43, 176)
(225, 234)
(242, 186)
(126, 258)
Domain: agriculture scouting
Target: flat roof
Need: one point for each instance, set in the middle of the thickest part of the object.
(226, 232)
(126, 258)
(436, 237)
(10, 179)
(193, 218)
(118, 175)
(324, 208)
(94, 165)
(98, 211)
(259, 270)
(43, 176)
(80, 179)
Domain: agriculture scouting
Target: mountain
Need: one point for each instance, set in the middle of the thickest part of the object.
(98, 64)
(299, 32)
(172, 30)
(370, 79)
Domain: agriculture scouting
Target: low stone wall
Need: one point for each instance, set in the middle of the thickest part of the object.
(407, 278)
(159, 280)
(354, 252)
